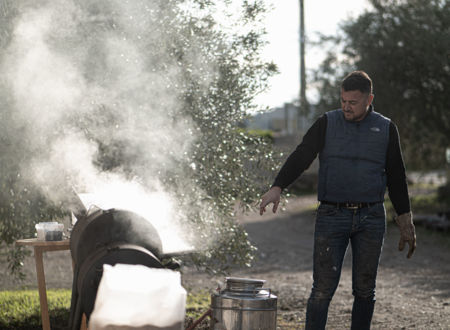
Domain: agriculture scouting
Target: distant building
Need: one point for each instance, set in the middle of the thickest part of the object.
(282, 121)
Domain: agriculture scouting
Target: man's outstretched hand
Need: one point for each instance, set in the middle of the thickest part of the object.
(271, 196)
(407, 232)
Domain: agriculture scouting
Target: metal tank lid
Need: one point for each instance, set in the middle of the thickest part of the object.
(238, 284)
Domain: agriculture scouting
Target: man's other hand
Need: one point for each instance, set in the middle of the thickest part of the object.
(271, 196)
(407, 232)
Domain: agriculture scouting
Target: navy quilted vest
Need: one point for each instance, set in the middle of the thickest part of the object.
(352, 162)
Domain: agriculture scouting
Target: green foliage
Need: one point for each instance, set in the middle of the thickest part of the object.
(262, 133)
(21, 206)
(403, 46)
(327, 79)
(443, 195)
(224, 165)
(427, 204)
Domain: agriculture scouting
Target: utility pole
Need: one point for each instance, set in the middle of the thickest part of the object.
(303, 109)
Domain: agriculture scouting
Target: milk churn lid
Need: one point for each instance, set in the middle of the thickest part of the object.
(244, 284)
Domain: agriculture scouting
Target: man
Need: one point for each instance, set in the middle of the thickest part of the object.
(359, 155)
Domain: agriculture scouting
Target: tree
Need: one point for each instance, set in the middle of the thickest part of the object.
(404, 47)
(153, 92)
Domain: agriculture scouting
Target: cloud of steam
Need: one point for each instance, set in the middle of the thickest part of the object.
(83, 72)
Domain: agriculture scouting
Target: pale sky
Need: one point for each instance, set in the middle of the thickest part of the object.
(282, 24)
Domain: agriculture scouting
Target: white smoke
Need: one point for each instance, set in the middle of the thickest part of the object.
(83, 72)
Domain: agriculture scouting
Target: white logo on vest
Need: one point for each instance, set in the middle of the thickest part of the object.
(375, 129)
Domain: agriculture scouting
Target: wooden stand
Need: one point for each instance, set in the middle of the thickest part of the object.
(39, 248)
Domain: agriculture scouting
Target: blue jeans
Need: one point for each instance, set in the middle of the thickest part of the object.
(335, 227)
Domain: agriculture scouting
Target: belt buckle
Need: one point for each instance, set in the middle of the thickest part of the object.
(351, 206)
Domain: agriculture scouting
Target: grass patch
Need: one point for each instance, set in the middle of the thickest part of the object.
(428, 203)
(197, 303)
(20, 310)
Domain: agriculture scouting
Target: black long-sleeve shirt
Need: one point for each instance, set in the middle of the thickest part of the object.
(313, 143)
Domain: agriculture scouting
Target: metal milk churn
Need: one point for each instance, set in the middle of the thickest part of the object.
(244, 305)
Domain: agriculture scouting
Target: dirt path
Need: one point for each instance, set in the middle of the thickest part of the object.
(411, 294)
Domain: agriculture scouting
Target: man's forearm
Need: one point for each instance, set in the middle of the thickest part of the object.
(396, 177)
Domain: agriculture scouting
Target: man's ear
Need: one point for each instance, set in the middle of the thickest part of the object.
(370, 99)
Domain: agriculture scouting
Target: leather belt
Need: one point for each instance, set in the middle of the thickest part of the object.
(348, 205)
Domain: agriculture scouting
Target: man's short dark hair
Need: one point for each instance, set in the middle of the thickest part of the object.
(357, 80)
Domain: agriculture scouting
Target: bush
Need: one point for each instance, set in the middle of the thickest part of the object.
(443, 196)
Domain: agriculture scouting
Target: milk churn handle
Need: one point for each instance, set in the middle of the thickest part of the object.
(200, 319)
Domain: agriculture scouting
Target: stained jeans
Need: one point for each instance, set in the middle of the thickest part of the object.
(335, 227)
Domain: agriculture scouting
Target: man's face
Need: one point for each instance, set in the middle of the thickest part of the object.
(355, 104)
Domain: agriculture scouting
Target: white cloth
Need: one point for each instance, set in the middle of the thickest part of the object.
(136, 296)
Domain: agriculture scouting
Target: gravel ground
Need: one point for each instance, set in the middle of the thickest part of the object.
(411, 293)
